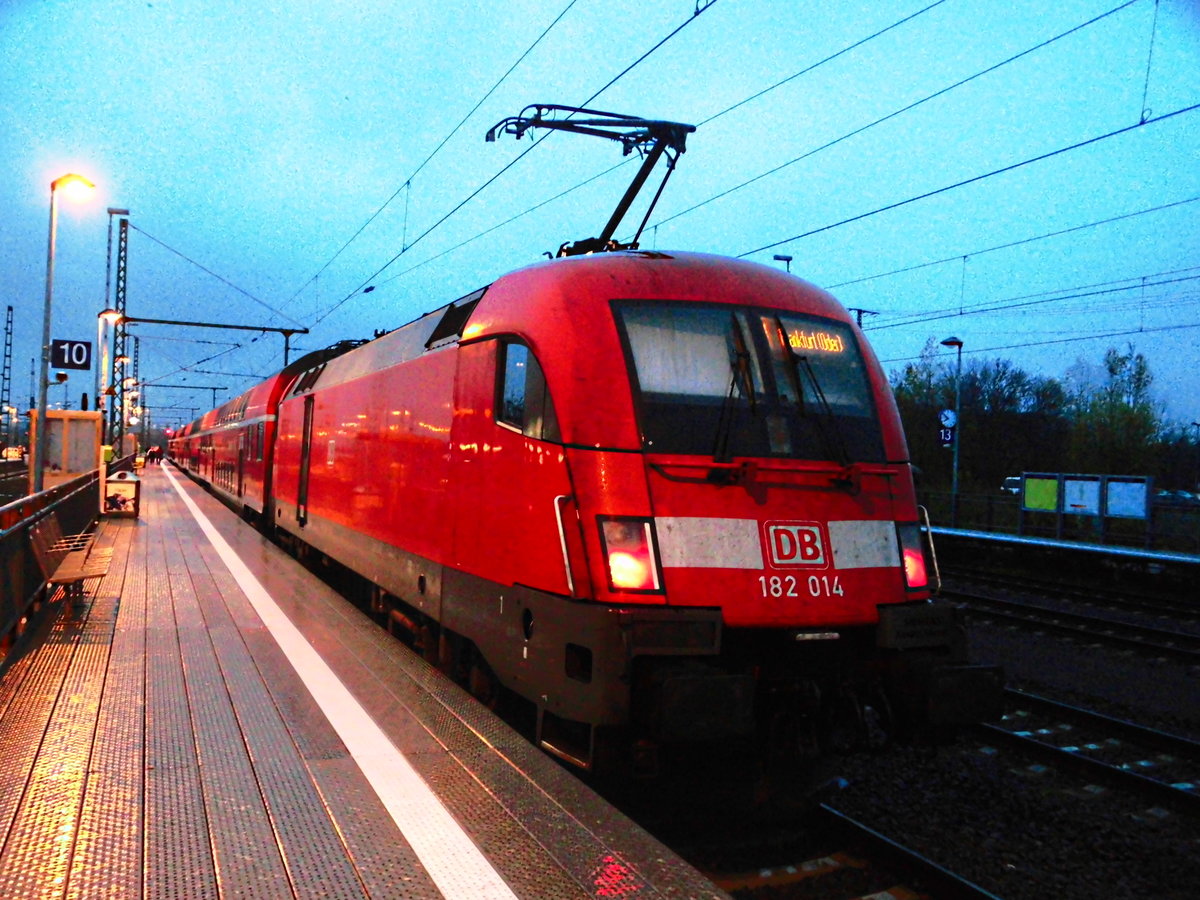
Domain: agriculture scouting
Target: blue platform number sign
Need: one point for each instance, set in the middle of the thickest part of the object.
(71, 354)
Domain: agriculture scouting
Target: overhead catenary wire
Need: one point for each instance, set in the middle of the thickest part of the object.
(1089, 291)
(957, 256)
(220, 278)
(895, 113)
(1010, 244)
(408, 181)
(1105, 335)
(475, 193)
(1088, 294)
(625, 161)
(593, 97)
(975, 179)
(759, 94)
(828, 59)
(507, 221)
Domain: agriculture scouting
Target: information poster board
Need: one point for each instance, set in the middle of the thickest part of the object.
(1127, 498)
(1041, 493)
(1109, 496)
(1081, 495)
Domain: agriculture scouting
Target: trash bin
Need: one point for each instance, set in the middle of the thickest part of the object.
(123, 495)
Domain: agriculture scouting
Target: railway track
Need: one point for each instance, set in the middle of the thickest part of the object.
(1171, 643)
(14, 482)
(1121, 754)
(870, 865)
(1182, 611)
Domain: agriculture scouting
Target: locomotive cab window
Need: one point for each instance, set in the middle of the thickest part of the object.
(722, 381)
(524, 400)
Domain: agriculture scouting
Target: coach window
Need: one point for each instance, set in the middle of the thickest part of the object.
(524, 402)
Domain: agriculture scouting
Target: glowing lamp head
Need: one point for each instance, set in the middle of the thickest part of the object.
(74, 187)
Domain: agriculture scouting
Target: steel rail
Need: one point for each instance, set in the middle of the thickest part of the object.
(944, 883)
(1181, 795)
(1180, 645)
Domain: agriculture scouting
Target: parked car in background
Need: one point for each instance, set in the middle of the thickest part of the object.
(1011, 485)
(1176, 498)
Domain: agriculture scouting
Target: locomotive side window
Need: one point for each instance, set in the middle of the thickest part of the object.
(726, 381)
(524, 402)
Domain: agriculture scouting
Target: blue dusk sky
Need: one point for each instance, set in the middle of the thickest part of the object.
(1022, 175)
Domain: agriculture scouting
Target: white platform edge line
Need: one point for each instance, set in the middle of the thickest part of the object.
(456, 864)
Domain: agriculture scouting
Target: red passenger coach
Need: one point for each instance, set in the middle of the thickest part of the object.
(664, 497)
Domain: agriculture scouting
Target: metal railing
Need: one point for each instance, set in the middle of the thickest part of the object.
(77, 505)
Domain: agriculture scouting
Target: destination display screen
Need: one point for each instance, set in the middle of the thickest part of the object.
(801, 340)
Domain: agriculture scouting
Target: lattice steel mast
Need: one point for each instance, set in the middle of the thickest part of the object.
(117, 412)
(6, 382)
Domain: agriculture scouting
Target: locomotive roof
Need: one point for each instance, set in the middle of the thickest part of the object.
(682, 275)
(559, 300)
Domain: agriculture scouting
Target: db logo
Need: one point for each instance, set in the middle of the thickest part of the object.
(795, 544)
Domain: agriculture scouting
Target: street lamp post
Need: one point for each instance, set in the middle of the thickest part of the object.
(957, 345)
(70, 180)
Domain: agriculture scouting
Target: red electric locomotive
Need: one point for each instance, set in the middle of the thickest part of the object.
(661, 496)
(665, 497)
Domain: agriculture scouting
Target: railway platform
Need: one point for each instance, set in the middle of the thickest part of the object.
(211, 720)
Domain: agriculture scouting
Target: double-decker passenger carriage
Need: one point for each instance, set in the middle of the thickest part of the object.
(664, 497)
(231, 447)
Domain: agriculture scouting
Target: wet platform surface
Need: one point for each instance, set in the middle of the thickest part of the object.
(211, 720)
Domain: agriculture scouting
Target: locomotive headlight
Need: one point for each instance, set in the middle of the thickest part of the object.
(912, 554)
(629, 554)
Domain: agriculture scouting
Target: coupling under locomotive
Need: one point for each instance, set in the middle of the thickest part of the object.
(665, 497)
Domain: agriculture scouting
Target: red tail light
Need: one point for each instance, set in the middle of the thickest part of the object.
(629, 554)
(912, 553)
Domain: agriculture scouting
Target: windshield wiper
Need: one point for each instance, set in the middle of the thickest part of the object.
(827, 423)
(740, 381)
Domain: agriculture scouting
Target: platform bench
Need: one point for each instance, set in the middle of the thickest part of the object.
(68, 560)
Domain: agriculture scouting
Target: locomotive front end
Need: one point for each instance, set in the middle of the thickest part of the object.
(761, 545)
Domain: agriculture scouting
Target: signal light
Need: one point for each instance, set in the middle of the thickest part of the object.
(912, 554)
(629, 554)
